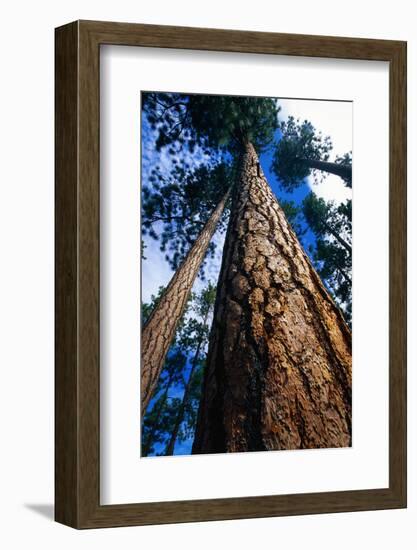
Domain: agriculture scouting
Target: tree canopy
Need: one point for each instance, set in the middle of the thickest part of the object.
(181, 201)
(303, 151)
(211, 121)
(332, 253)
(199, 141)
(179, 388)
(176, 206)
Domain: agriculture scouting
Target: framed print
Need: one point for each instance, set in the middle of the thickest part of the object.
(230, 274)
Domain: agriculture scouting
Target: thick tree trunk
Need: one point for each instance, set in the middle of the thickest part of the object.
(159, 329)
(278, 370)
(345, 172)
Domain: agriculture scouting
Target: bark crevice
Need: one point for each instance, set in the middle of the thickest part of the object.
(278, 371)
(159, 329)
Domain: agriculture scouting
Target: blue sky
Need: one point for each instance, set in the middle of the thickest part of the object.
(332, 118)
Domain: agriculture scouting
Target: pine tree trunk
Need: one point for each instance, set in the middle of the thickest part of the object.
(159, 329)
(345, 172)
(278, 372)
(345, 275)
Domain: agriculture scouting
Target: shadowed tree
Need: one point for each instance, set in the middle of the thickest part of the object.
(157, 422)
(195, 338)
(332, 226)
(153, 429)
(325, 218)
(172, 414)
(336, 269)
(302, 151)
(294, 216)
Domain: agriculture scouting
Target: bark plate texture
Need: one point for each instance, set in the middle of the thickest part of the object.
(279, 371)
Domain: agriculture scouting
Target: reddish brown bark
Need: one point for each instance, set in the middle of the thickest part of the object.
(341, 170)
(159, 329)
(279, 362)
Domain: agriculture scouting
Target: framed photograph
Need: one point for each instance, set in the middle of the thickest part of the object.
(230, 274)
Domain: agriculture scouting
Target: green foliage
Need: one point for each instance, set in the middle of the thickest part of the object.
(345, 160)
(176, 207)
(203, 303)
(336, 269)
(299, 143)
(186, 358)
(324, 216)
(294, 216)
(168, 113)
(142, 250)
(158, 419)
(147, 308)
(332, 254)
(229, 121)
(211, 121)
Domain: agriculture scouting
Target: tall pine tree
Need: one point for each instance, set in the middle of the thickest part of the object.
(278, 371)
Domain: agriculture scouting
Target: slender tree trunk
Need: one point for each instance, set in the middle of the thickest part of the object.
(159, 329)
(345, 172)
(161, 404)
(340, 239)
(278, 372)
(180, 416)
(345, 275)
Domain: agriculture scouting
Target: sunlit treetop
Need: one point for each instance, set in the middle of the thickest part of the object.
(324, 217)
(176, 206)
(214, 127)
(332, 254)
(211, 121)
(230, 121)
(346, 161)
(300, 143)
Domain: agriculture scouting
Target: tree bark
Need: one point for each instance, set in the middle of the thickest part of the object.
(159, 329)
(345, 172)
(278, 372)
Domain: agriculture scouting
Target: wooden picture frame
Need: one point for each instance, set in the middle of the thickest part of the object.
(77, 405)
